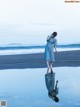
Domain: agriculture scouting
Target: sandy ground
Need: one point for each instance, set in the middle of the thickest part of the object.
(37, 60)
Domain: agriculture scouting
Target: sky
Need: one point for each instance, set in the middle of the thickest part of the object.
(30, 21)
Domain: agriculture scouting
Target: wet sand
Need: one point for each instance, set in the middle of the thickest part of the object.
(37, 60)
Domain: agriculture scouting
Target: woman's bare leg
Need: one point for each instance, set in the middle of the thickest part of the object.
(51, 63)
(48, 66)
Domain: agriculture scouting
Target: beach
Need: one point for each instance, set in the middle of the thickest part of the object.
(27, 88)
(37, 60)
(26, 26)
(22, 79)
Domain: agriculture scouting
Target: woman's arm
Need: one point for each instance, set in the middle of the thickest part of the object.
(55, 44)
(56, 88)
(49, 37)
(55, 49)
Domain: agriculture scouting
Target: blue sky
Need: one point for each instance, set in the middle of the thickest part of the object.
(30, 21)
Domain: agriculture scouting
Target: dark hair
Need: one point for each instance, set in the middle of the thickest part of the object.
(56, 99)
(54, 34)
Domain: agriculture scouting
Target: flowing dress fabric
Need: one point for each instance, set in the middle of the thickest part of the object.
(49, 49)
(50, 81)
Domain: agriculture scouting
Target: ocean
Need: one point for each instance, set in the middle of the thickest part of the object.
(24, 49)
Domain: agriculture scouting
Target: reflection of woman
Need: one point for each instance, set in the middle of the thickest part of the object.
(49, 50)
(52, 88)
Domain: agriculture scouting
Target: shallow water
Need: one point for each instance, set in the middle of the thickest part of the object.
(26, 87)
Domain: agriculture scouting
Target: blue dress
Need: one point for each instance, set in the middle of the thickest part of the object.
(49, 49)
(50, 83)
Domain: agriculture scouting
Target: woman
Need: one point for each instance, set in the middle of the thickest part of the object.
(51, 86)
(49, 50)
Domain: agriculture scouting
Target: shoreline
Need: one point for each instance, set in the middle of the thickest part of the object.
(32, 51)
(37, 60)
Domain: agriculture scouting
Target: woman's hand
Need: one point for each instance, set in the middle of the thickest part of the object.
(56, 50)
